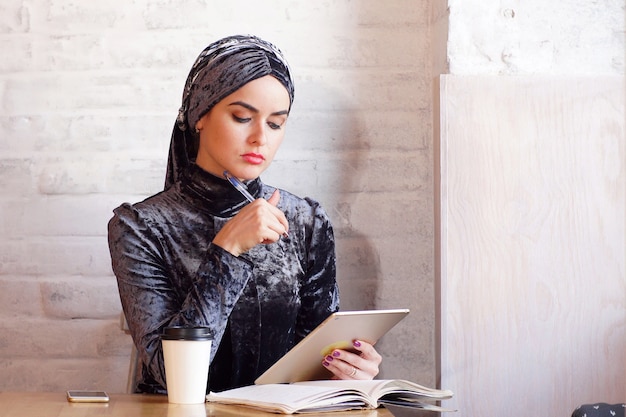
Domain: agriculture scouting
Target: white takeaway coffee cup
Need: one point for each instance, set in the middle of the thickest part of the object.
(186, 354)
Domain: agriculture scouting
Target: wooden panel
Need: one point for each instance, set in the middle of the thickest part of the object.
(532, 183)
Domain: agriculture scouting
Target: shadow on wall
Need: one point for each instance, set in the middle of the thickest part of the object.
(324, 156)
(358, 263)
(344, 182)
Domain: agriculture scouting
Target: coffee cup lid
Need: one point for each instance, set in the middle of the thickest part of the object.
(186, 333)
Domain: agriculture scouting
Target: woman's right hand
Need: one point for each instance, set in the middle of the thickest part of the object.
(258, 222)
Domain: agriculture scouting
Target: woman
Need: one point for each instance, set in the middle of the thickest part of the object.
(261, 275)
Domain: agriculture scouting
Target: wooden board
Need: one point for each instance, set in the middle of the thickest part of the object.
(531, 251)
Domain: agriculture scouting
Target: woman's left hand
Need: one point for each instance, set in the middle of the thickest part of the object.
(360, 364)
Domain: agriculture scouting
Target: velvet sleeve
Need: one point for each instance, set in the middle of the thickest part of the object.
(154, 296)
(319, 292)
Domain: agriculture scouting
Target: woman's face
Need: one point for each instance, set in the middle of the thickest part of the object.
(243, 131)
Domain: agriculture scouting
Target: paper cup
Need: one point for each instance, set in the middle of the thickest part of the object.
(186, 354)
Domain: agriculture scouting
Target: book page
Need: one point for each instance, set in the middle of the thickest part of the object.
(289, 398)
(376, 388)
(329, 395)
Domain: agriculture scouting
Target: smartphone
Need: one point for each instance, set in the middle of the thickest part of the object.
(77, 396)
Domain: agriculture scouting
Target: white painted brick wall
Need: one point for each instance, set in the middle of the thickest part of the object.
(88, 94)
(509, 37)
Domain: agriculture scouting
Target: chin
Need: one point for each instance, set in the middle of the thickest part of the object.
(248, 173)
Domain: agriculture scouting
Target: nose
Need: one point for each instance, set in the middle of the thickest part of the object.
(257, 135)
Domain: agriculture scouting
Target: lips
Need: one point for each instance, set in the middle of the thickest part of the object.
(253, 158)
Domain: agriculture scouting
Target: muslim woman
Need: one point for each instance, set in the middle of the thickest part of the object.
(261, 275)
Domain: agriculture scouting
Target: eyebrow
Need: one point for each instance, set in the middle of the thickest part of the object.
(255, 110)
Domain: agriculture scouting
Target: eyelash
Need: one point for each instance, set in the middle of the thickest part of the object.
(272, 125)
(241, 119)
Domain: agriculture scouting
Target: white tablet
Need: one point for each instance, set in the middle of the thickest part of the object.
(304, 361)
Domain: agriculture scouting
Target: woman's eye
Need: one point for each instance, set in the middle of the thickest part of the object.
(273, 126)
(241, 119)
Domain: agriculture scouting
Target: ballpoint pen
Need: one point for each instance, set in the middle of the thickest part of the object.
(242, 189)
(239, 186)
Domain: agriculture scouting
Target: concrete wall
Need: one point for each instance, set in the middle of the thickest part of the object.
(88, 95)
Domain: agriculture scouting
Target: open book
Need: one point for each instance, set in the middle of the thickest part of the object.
(331, 395)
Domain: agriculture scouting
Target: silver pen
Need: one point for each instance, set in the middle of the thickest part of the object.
(242, 189)
(239, 186)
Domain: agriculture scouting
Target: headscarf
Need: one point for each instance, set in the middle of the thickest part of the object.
(221, 69)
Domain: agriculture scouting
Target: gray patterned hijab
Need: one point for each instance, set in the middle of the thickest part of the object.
(221, 69)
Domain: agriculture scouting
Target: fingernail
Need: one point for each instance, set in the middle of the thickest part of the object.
(329, 358)
(325, 363)
(336, 353)
(356, 343)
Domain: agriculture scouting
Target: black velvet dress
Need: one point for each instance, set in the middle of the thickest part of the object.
(258, 305)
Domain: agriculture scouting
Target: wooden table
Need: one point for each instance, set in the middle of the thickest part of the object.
(48, 404)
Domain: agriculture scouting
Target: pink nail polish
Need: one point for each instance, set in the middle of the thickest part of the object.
(325, 363)
(329, 358)
(356, 343)
(336, 353)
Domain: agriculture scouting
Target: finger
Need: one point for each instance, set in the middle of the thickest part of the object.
(345, 370)
(269, 217)
(279, 230)
(367, 351)
(339, 368)
(364, 357)
(275, 228)
(347, 365)
(274, 198)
